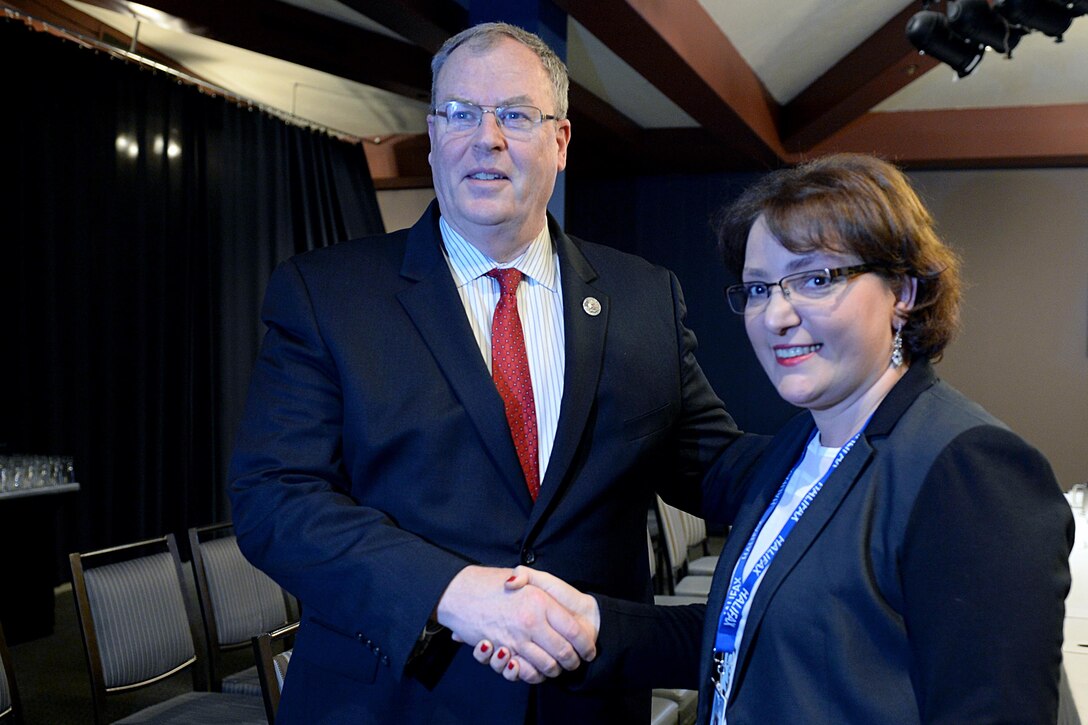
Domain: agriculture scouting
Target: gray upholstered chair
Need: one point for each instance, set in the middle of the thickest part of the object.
(237, 602)
(667, 599)
(10, 707)
(138, 630)
(272, 660)
(695, 529)
(663, 712)
(675, 537)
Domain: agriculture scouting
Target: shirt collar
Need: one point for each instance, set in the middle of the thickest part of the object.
(537, 262)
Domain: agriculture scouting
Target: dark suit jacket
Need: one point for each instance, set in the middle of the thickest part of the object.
(374, 462)
(925, 583)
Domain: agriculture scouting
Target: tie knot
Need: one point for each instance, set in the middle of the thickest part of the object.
(509, 279)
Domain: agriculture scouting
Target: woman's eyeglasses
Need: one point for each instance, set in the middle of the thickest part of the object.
(811, 286)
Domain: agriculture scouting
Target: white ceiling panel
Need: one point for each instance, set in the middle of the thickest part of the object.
(791, 43)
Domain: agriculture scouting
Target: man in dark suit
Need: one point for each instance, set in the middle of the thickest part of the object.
(398, 455)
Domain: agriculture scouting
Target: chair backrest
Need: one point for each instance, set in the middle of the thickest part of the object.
(694, 530)
(272, 660)
(237, 600)
(652, 553)
(657, 564)
(133, 615)
(686, 531)
(10, 707)
(671, 526)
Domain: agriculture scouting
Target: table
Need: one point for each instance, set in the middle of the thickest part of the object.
(29, 521)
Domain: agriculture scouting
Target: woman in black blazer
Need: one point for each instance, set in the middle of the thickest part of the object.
(897, 555)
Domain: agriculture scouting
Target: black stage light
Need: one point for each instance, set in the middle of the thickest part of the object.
(975, 19)
(1047, 16)
(930, 33)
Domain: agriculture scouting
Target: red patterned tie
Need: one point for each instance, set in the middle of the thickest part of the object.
(510, 369)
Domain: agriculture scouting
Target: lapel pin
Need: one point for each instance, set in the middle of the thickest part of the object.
(591, 306)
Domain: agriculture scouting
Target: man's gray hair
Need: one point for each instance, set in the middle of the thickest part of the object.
(486, 35)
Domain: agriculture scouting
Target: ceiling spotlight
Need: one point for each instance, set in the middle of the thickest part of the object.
(975, 19)
(1049, 17)
(930, 33)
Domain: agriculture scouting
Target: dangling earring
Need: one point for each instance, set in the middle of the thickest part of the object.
(897, 346)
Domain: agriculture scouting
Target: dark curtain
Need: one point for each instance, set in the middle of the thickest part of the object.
(669, 221)
(141, 220)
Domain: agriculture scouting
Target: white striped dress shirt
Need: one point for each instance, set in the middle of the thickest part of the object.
(540, 307)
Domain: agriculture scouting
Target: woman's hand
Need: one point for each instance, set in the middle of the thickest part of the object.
(506, 663)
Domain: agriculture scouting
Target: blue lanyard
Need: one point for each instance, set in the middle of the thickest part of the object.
(741, 591)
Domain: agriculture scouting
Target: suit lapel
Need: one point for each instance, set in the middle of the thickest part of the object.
(428, 303)
(584, 350)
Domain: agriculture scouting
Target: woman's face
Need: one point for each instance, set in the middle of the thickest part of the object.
(823, 354)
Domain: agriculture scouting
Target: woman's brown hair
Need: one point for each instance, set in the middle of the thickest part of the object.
(861, 205)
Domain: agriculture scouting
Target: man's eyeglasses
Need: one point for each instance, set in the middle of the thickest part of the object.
(461, 117)
(811, 286)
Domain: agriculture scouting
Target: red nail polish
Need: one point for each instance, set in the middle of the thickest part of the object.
(510, 666)
(484, 648)
(511, 579)
(501, 654)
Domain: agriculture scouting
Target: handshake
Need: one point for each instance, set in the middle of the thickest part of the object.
(527, 625)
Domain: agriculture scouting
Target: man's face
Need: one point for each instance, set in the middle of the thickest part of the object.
(493, 187)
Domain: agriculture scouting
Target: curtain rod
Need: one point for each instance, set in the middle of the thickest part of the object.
(40, 25)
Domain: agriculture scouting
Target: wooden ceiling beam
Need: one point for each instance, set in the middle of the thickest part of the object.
(1014, 137)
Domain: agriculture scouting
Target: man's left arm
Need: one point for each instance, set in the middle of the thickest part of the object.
(706, 436)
